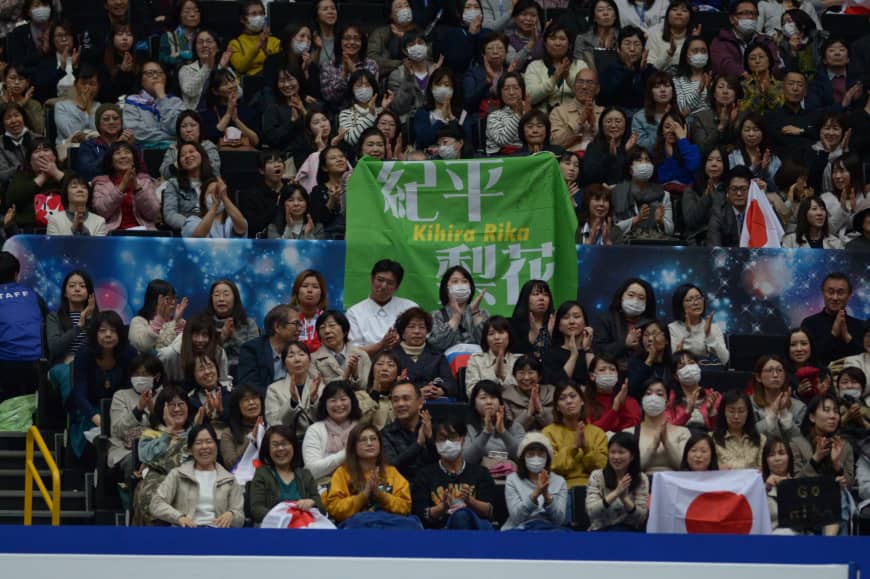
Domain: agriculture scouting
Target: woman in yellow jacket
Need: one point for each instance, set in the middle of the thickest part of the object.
(578, 448)
(366, 492)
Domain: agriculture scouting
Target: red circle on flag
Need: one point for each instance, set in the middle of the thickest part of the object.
(719, 512)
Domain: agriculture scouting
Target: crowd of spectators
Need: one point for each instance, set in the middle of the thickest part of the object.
(366, 418)
(659, 128)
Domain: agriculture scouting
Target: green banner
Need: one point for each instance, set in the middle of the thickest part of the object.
(506, 220)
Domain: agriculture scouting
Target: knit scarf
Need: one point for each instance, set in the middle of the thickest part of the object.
(413, 351)
(336, 440)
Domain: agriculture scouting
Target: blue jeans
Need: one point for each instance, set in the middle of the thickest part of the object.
(467, 520)
(381, 520)
(540, 525)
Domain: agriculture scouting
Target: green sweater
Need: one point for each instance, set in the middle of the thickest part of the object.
(265, 492)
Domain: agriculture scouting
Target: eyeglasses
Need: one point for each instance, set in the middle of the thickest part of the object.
(653, 334)
(736, 189)
(694, 300)
(176, 405)
(153, 73)
(279, 445)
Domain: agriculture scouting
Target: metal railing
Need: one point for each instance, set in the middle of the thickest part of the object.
(31, 474)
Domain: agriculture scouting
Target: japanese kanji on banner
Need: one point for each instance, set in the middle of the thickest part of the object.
(506, 220)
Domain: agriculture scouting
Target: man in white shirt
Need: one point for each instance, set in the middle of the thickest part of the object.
(371, 320)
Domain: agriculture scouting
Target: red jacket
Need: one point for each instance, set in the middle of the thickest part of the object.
(609, 421)
(679, 415)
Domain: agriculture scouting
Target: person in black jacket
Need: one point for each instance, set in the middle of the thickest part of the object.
(452, 493)
(532, 320)
(408, 440)
(834, 332)
(30, 40)
(571, 349)
(726, 220)
(426, 368)
(605, 157)
(618, 332)
(99, 370)
(261, 360)
(623, 83)
(259, 204)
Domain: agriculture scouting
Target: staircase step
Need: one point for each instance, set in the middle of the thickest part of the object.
(12, 479)
(10, 459)
(69, 500)
(18, 440)
(16, 517)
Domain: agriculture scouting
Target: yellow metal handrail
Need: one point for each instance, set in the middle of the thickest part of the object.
(31, 474)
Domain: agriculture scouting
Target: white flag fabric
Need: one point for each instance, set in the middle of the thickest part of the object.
(761, 226)
(244, 469)
(725, 501)
(285, 515)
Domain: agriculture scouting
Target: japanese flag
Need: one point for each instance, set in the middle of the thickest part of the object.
(726, 502)
(250, 461)
(761, 226)
(285, 515)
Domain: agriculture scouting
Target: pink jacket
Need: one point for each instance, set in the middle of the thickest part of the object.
(107, 202)
(679, 415)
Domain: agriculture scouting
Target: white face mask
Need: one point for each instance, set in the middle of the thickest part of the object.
(632, 307)
(417, 52)
(363, 94)
(535, 464)
(142, 383)
(689, 374)
(789, 29)
(642, 171)
(447, 152)
(40, 14)
(853, 394)
(301, 46)
(442, 94)
(469, 15)
(746, 25)
(404, 15)
(653, 404)
(448, 449)
(256, 22)
(460, 291)
(698, 60)
(606, 382)
(209, 201)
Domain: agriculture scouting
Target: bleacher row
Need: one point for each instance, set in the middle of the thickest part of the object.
(744, 349)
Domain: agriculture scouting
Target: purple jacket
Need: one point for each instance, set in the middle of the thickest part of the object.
(727, 57)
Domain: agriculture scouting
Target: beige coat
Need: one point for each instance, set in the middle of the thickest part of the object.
(144, 339)
(177, 496)
(517, 403)
(327, 366)
(280, 407)
(122, 421)
(664, 456)
(615, 513)
(481, 366)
